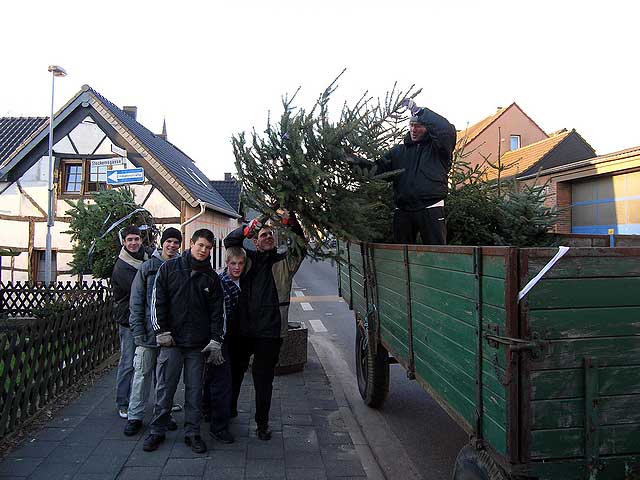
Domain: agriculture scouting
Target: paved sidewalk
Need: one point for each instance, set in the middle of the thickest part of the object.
(85, 441)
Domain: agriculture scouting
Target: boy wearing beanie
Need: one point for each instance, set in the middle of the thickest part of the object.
(146, 352)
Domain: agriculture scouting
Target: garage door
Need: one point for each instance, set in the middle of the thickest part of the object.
(604, 203)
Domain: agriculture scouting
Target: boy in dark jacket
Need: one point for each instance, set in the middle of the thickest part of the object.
(262, 318)
(131, 257)
(425, 156)
(187, 315)
(146, 353)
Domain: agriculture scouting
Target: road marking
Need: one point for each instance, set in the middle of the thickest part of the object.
(306, 306)
(318, 326)
(316, 298)
(298, 293)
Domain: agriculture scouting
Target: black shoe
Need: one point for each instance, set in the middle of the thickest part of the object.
(264, 433)
(223, 436)
(132, 427)
(234, 412)
(172, 426)
(152, 442)
(206, 418)
(196, 443)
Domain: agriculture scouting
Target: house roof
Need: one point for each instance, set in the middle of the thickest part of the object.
(522, 159)
(230, 191)
(628, 153)
(169, 161)
(15, 130)
(473, 131)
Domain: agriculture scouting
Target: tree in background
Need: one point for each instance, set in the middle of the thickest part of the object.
(94, 229)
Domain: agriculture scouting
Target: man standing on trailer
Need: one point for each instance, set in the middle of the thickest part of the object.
(425, 157)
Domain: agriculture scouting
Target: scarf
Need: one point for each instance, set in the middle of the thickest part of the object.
(133, 259)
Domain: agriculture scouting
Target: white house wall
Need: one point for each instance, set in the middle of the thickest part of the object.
(15, 207)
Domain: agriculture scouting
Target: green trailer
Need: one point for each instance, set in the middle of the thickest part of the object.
(548, 386)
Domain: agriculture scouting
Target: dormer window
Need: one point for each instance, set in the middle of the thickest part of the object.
(514, 142)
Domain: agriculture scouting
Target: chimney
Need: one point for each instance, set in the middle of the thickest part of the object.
(227, 177)
(131, 111)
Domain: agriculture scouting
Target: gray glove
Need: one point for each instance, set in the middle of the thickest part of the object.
(165, 339)
(213, 351)
(138, 340)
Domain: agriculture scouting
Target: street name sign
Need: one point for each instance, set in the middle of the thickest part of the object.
(107, 161)
(121, 177)
(118, 151)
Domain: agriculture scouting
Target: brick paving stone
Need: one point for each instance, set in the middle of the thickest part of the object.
(103, 464)
(306, 473)
(140, 473)
(19, 466)
(182, 450)
(265, 468)
(227, 458)
(329, 437)
(344, 469)
(95, 476)
(185, 467)
(303, 460)
(297, 419)
(55, 471)
(274, 448)
(35, 448)
(140, 458)
(70, 454)
(115, 447)
(53, 434)
(302, 444)
(171, 477)
(218, 472)
(67, 421)
(297, 431)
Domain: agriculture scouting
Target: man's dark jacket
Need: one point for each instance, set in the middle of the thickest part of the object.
(140, 301)
(426, 164)
(187, 303)
(124, 271)
(265, 289)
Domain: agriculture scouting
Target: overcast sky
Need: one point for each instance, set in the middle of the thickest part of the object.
(212, 70)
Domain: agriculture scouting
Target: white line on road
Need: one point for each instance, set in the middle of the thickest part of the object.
(306, 306)
(318, 326)
(298, 293)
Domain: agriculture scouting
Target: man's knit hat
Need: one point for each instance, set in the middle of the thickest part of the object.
(171, 233)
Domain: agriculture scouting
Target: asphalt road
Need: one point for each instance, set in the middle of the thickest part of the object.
(430, 438)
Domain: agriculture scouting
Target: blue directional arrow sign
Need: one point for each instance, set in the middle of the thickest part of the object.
(121, 177)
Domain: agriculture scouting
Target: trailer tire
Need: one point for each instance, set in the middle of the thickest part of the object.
(474, 464)
(372, 370)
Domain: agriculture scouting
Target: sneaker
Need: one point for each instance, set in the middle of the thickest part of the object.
(152, 442)
(123, 412)
(196, 443)
(172, 426)
(176, 408)
(223, 436)
(264, 433)
(132, 427)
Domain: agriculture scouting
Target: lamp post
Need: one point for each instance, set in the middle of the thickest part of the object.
(56, 71)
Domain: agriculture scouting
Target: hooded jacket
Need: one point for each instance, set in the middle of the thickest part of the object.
(265, 289)
(124, 271)
(187, 303)
(425, 164)
(140, 301)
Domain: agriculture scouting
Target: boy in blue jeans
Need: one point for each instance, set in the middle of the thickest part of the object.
(216, 394)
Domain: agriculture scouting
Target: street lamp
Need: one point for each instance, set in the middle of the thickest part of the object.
(56, 71)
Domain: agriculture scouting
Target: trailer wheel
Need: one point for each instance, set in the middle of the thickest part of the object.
(473, 464)
(372, 370)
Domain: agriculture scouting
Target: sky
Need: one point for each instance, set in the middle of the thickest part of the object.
(213, 70)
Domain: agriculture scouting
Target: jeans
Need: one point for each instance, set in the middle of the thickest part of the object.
(144, 364)
(216, 392)
(170, 363)
(125, 367)
(265, 358)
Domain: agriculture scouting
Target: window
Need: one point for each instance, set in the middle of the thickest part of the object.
(79, 177)
(515, 142)
(37, 265)
(72, 178)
